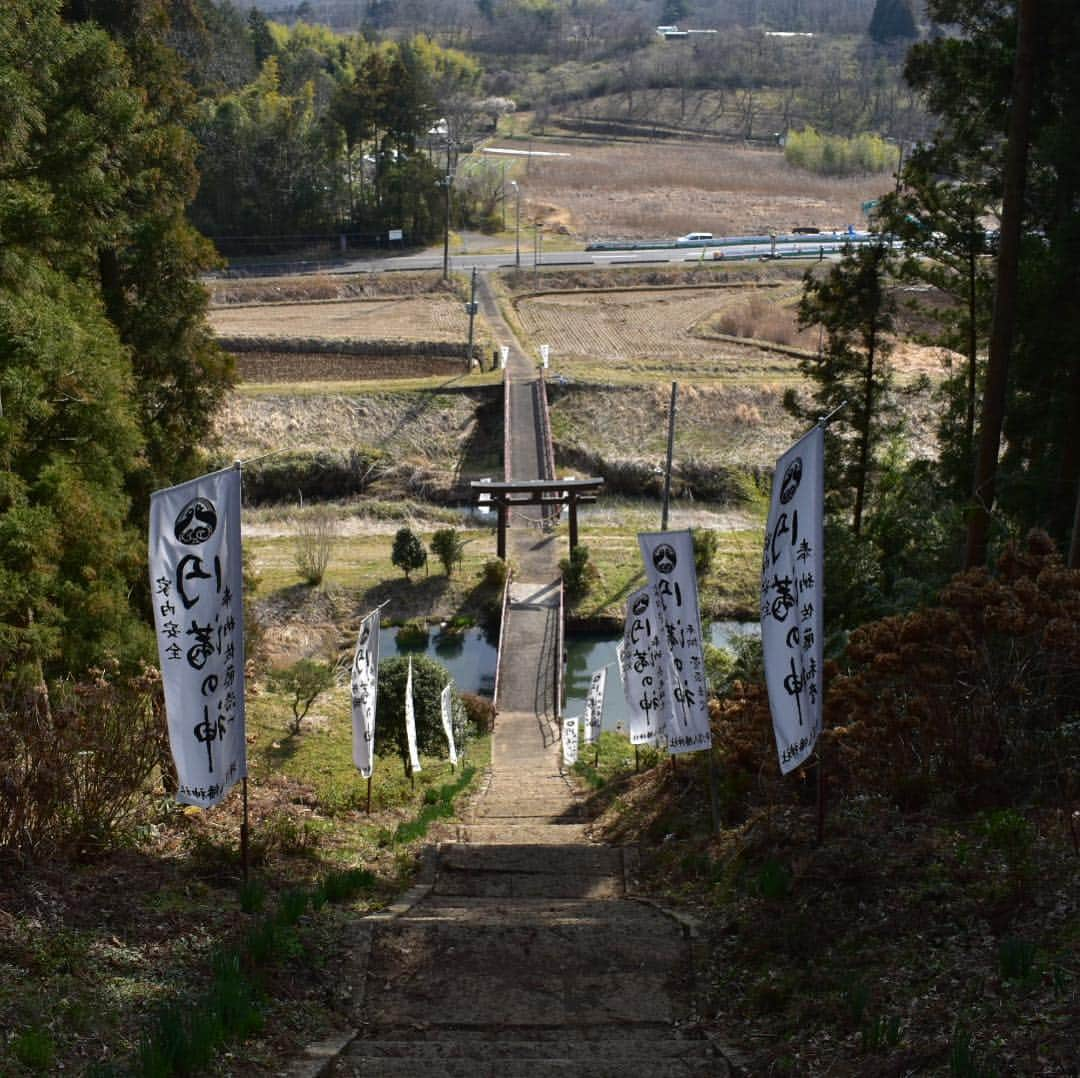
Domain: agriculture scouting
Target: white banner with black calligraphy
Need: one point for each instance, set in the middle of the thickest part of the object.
(196, 578)
(570, 740)
(669, 569)
(594, 705)
(791, 594)
(641, 666)
(446, 703)
(365, 693)
(410, 723)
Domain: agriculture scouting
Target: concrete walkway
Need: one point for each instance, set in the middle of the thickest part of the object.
(522, 953)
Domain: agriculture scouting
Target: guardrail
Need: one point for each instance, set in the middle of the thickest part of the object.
(502, 627)
(506, 427)
(735, 241)
(560, 641)
(545, 428)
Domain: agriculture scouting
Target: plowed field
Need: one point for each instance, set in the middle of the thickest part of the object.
(410, 318)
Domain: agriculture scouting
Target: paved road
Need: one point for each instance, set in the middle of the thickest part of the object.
(729, 249)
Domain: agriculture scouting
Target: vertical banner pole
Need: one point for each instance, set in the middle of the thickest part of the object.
(369, 795)
(244, 835)
(244, 826)
(670, 453)
(820, 797)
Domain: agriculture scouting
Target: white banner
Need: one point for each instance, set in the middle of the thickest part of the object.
(504, 355)
(570, 741)
(594, 705)
(791, 593)
(365, 693)
(410, 722)
(196, 578)
(545, 353)
(641, 668)
(446, 702)
(669, 569)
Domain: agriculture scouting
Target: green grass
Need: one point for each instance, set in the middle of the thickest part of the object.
(730, 588)
(360, 563)
(322, 756)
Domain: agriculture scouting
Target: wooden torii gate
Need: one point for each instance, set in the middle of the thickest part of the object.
(543, 492)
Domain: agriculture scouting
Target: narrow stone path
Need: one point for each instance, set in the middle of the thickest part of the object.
(522, 953)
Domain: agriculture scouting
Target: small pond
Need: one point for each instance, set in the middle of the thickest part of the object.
(470, 657)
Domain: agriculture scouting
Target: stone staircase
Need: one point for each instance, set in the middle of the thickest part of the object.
(525, 957)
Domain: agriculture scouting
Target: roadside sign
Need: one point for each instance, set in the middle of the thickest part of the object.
(545, 351)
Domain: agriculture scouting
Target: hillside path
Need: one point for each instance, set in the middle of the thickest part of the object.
(521, 953)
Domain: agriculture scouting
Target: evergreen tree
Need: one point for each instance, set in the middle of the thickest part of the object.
(854, 307)
(408, 552)
(429, 680)
(968, 77)
(892, 20)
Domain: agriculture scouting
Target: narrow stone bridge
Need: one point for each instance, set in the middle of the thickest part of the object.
(522, 953)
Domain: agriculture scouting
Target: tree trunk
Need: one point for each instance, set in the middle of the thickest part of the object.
(864, 438)
(1004, 320)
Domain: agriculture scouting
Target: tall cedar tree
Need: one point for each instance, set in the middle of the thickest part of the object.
(968, 77)
(892, 20)
(108, 377)
(150, 261)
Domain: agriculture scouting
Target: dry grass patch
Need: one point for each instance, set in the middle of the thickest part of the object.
(438, 317)
(660, 189)
(307, 288)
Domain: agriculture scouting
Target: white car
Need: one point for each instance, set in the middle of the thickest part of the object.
(695, 237)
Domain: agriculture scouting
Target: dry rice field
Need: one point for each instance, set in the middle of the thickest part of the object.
(664, 324)
(438, 317)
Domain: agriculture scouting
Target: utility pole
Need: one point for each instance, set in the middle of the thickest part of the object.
(670, 453)
(471, 308)
(517, 224)
(446, 181)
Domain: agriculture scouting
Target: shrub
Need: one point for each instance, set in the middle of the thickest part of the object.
(429, 680)
(705, 545)
(834, 155)
(448, 546)
(413, 634)
(76, 762)
(479, 712)
(495, 570)
(304, 681)
(577, 573)
(316, 534)
(408, 552)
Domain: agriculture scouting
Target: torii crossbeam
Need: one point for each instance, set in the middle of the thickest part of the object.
(542, 492)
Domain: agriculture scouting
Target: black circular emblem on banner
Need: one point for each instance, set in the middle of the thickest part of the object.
(196, 522)
(641, 604)
(664, 558)
(792, 479)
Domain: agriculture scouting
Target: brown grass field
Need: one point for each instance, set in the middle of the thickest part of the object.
(419, 318)
(637, 190)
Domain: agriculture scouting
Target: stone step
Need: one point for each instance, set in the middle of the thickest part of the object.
(582, 860)
(448, 1044)
(351, 1066)
(520, 885)
(512, 871)
(535, 833)
(354, 1064)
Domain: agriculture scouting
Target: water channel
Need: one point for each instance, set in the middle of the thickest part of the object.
(470, 658)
